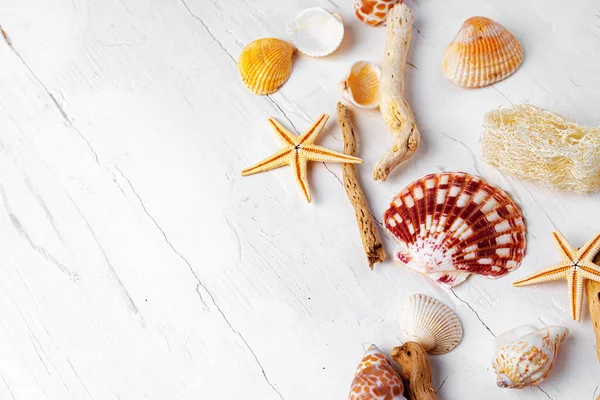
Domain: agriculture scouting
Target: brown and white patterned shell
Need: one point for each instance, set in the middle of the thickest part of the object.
(376, 379)
(373, 12)
(451, 225)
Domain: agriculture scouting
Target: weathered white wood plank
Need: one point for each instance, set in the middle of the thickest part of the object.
(138, 263)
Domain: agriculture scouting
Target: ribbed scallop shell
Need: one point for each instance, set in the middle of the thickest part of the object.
(482, 53)
(430, 323)
(373, 12)
(361, 86)
(376, 379)
(316, 32)
(265, 65)
(453, 224)
(528, 360)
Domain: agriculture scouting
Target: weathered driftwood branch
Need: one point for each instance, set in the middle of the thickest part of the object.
(394, 108)
(369, 233)
(416, 371)
(593, 297)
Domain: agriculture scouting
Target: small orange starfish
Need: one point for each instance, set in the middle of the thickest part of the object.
(576, 266)
(298, 150)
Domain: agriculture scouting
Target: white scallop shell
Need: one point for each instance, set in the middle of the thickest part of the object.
(316, 32)
(430, 323)
(528, 360)
(361, 86)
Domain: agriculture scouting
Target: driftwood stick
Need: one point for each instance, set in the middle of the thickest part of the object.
(416, 371)
(393, 106)
(369, 233)
(593, 297)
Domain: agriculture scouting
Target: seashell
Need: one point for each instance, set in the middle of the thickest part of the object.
(316, 32)
(265, 65)
(510, 336)
(376, 379)
(528, 360)
(430, 323)
(373, 12)
(482, 53)
(453, 224)
(361, 85)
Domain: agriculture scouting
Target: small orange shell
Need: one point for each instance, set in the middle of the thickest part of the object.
(482, 53)
(265, 65)
(361, 86)
(376, 379)
(373, 12)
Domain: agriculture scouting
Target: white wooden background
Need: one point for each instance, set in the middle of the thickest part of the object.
(136, 262)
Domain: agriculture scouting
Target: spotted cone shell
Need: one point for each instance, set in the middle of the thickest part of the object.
(265, 65)
(482, 53)
(430, 323)
(376, 379)
(528, 360)
(373, 12)
(451, 225)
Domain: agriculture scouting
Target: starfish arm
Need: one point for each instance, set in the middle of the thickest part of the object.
(322, 154)
(589, 250)
(285, 137)
(575, 282)
(590, 271)
(311, 134)
(277, 160)
(552, 273)
(567, 252)
(298, 164)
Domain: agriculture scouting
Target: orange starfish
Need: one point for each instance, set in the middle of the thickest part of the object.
(576, 266)
(298, 150)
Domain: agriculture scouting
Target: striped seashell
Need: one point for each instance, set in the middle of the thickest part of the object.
(528, 360)
(265, 65)
(451, 225)
(482, 53)
(373, 12)
(376, 379)
(430, 323)
(361, 86)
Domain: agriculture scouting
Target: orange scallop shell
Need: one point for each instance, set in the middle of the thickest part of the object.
(482, 53)
(265, 65)
(376, 379)
(373, 12)
(451, 225)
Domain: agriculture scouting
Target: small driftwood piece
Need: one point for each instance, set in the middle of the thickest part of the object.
(416, 371)
(394, 108)
(369, 232)
(592, 290)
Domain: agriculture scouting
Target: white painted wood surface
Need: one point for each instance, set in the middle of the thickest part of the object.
(136, 262)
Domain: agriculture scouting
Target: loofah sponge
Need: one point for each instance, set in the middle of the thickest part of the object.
(531, 143)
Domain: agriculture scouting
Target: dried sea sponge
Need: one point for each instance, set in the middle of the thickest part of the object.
(531, 143)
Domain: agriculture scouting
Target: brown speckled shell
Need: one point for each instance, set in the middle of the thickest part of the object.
(451, 225)
(376, 379)
(373, 12)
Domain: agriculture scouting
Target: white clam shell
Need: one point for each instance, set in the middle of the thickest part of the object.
(360, 87)
(316, 32)
(430, 323)
(527, 360)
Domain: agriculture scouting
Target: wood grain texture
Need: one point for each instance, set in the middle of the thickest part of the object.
(416, 371)
(137, 264)
(369, 232)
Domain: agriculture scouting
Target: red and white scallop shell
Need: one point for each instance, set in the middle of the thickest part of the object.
(376, 379)
(454, 224)
(373, 12)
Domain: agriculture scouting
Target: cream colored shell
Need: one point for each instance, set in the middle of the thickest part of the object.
(482, 53)
(430, 323)
(534, 144)
(316, 32)
(527, 361)
(265, 65)
(361, 86)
